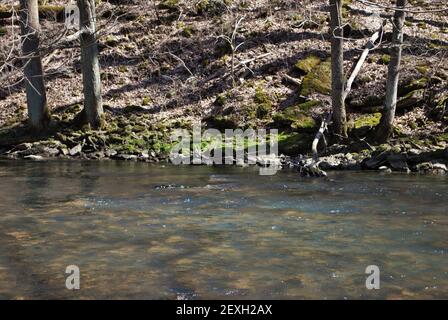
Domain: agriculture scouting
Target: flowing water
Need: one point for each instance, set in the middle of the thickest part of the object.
(145, 231)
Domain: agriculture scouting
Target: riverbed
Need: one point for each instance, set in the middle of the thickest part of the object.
(145, 231)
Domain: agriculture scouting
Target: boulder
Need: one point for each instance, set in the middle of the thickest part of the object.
(75, 150)
(398, 162)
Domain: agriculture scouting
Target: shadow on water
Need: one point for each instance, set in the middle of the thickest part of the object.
(151, 231)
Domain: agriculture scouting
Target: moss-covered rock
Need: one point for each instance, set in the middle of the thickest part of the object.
(413, 85)
(368, 120)
(170, 5)
(294, 143)
(304, 124)
(412, 99)
(439, 106)
(367, 104)
(307, 64)
(318, 80)
(297, 117)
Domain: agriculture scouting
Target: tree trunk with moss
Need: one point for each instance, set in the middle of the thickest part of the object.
(385, 127)
(38, 113)
(337, 69)
(93, 105)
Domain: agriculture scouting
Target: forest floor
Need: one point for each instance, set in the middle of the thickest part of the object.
(166, 64)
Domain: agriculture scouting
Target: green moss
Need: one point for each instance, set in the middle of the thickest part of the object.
(411, 99)
(212, 6)
(437, 46)
(422, 25)
(263, 103)
(5, 11)
(307, 64)
(294, 143)
(2, 32)
(297, 117)
(318, 80)
(304, 124)
(44, 11)
(415, 84)
(146, 101)
(221, 100)
(442, 137)
(111, 41)
(306, 106)
(385, 59)
(170, 5)
(369, 120)
(202, 6)
(261, 96)
(188, 31)
(423, 69)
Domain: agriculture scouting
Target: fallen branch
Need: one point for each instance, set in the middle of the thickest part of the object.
(320, 134)
(292, 80)
(244, 62)
(357, 68)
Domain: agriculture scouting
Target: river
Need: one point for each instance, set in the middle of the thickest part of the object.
(144, 231)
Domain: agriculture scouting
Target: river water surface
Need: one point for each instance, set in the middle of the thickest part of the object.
(143, 231)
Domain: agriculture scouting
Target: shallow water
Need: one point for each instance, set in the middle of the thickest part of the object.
(143, 231)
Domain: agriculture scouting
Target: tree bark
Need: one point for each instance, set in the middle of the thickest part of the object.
(385, 127)
(38, 113)
(337, 69)
(93, 105)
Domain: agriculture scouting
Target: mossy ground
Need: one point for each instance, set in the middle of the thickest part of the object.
(307, 64)
(318, 80)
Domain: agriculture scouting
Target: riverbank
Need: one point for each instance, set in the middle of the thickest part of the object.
(131, 136)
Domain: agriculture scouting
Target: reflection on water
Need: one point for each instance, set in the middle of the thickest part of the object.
(153, 232)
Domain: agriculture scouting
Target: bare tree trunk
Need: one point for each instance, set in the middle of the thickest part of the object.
(93, 105)
(337, 69)
(385, 127)
(38, 113)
